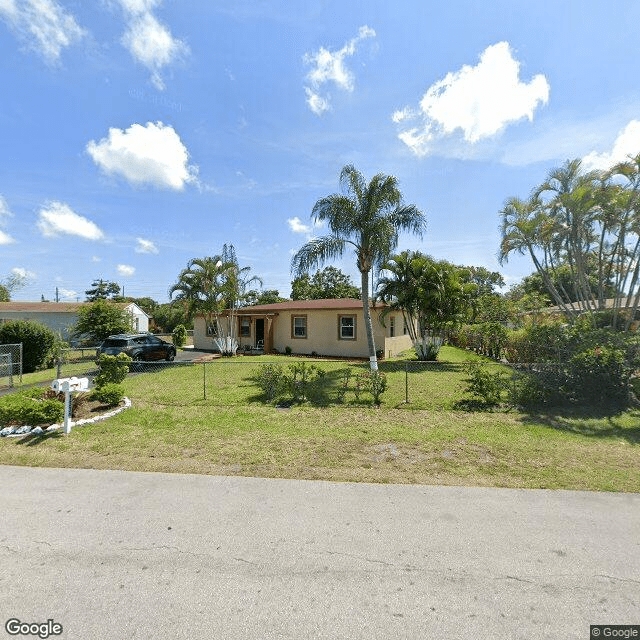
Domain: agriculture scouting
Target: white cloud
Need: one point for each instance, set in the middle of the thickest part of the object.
(152, 154)
(148, 40)
(297, 226)
(479, 101)
(5, 214)
(67, 293)
(43, 25)
(23, 273)
(626, 144)
(57, 218)
(96, 259)
(125, 270)
(329, 67)
(145, 246)
(5, 238)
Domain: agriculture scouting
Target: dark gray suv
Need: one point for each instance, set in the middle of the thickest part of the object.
(141, 347)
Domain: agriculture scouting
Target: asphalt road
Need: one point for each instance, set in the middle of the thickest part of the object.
(111, 554)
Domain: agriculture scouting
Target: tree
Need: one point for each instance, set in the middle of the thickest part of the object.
(102, 289)
(269, 296)
(38, 342)
(432, 295)
(366, 217)
(582, 232)
(485, 282)
(101, 319)
(10, 284)
(328, 283)
(211, 285)
(168, 316)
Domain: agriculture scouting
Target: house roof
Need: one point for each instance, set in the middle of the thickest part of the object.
(626, 303)
(304, 305)
(52, 307)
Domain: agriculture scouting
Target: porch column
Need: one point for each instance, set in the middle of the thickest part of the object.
(268, 334)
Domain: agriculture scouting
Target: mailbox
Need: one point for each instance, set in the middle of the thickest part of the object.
(70, 384)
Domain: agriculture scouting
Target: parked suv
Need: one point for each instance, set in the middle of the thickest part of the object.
(140, 346)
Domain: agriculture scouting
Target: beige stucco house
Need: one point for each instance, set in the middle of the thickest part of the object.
(333, 327)
(62, 316)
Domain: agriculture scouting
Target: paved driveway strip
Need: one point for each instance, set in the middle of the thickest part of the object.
(115, 554)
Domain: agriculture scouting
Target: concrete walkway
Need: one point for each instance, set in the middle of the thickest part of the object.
(112, 554)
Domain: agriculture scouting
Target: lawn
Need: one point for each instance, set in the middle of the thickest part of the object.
(172, 427)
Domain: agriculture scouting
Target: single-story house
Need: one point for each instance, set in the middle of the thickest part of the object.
(333, 327)
(626, 304)
(62, 316)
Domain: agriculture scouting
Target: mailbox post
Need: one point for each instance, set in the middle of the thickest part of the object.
(69, 385)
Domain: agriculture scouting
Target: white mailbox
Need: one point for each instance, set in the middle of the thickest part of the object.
(70, 384)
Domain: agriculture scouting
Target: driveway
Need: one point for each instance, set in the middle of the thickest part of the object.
(113, 554)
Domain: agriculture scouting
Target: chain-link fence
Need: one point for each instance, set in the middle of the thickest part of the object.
(10, 365)
(407, 384)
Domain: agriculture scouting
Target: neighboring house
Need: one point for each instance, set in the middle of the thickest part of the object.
(333, 327)
(62, 316)
(626, 304)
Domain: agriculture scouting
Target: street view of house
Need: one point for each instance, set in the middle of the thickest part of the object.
(319, 320)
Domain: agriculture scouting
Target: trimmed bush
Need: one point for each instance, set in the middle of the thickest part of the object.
(179, 336)
(38, 343)
(113, 369)
(600, 375)
(23, 408)
(110, 394)
(374, 382)
(484, 385)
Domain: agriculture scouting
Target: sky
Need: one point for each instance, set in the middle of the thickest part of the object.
(138, 134)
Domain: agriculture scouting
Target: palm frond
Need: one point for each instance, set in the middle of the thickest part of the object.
(316, 252)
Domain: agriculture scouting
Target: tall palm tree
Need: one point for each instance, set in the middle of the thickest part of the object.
(366, 217)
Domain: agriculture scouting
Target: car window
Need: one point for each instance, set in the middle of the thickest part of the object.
(114, 342)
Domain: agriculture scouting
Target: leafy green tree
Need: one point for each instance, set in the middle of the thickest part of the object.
(367, 218)
(101, 319)
(433, 296)
(168, 316)
(5, 296)
(328, 283)
(39, 343)
(102, 290)
(269, 296)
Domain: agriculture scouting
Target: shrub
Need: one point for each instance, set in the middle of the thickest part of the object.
(542, 386)
(24, 408)
(288, 350)
(374, 382)
(299, 378)
(113, 369)
(38, 342)
(110, 394)
(179, 336)
(600, 375)
(485, 385)
(270, 379)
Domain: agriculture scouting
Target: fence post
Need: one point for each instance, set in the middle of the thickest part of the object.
(406, 383)
(204, 379)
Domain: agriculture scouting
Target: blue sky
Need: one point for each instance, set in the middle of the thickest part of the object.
(137, 134)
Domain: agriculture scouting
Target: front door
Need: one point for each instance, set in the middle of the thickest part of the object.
(260, 331)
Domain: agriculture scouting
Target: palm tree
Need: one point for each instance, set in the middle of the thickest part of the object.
(367, 217)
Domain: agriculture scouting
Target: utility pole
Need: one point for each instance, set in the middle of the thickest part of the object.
(57, 296)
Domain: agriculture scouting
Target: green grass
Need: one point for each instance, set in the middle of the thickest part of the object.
(171, 427)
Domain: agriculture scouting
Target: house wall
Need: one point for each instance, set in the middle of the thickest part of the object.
(140, 318)
(60, 322)
(322, 326)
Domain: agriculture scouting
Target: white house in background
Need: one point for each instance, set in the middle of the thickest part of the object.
(62, 316)
(333, 327)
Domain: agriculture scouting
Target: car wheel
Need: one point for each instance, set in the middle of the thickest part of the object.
(171, 355)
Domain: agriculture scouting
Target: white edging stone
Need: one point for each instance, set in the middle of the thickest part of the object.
(15, 432)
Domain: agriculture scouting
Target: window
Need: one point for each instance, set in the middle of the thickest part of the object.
(212, 329)
(346, 327)
(392, 327)
(245, 327)
(298, 326)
